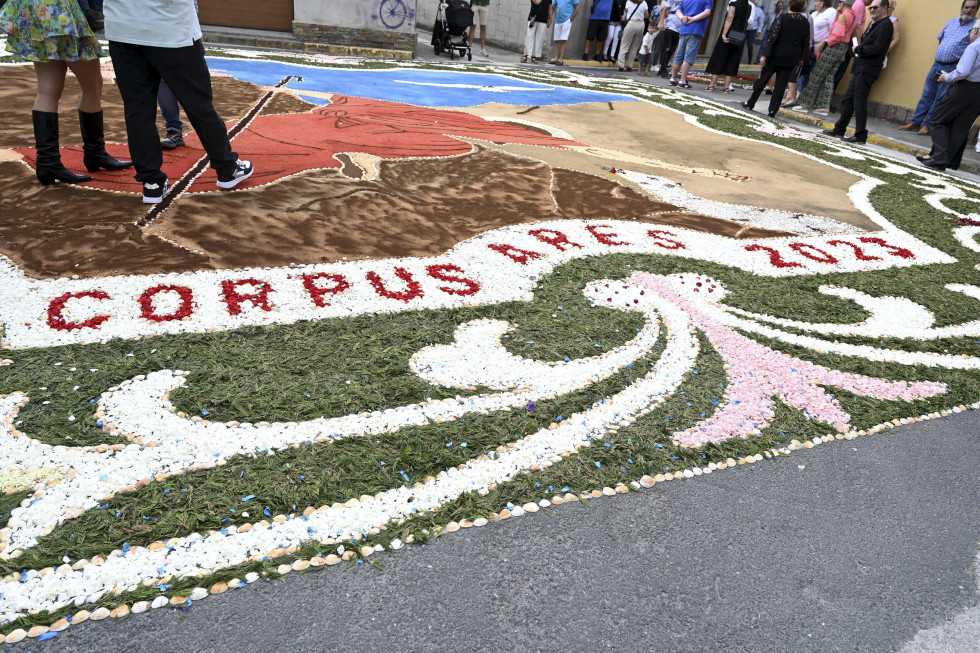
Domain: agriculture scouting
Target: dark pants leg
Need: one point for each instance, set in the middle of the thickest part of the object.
(855, 104)
(760, 84)
(782, 81)
(951, 120)
(169, 108)
(667, 51)
(186, 73)
(138, 83)
(750, 43)
(842, 68)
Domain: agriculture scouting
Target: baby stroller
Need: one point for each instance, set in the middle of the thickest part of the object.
(450, 33)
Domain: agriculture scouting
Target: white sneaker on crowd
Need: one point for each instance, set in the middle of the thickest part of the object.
(484, 53)
(243, 170)
(656, 68)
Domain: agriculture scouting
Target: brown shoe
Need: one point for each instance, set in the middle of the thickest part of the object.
(924, 131)
(911, 127)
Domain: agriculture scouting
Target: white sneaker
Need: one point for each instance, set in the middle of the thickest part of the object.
(154, 193)
(243, 170)
(484, 53)
(656, 69)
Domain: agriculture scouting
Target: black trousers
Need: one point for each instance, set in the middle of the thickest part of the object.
(782, 81)
(842, 68)
(139, 69)
(668, 47)
(951, 120)
(855, 104)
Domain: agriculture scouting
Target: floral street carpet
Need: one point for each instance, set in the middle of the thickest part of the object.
(449, 295)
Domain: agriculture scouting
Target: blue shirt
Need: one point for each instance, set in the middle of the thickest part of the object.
(953, 40)
(693, 8)
(969, 66)
(602, 10)
(564, 10)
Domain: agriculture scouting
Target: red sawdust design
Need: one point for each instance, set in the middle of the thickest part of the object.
(284, 145)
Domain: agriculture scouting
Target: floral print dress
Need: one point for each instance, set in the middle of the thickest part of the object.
(48, 30)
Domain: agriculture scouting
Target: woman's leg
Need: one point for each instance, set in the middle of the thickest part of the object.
(760, 85)
(50, 83)
(89, 76)
(782, 79)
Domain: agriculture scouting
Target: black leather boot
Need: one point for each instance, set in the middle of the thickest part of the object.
(49, 166)
(93, 139)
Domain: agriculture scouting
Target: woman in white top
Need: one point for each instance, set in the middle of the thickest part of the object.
(629, 43)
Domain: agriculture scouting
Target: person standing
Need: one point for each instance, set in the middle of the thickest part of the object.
(598, 28)
(694, 15)
(634, 15)
(752, 28)
(787, 48)
(771, 19)
(670, 26)
(563, 13)
(953, 40)
(869, 57)
(56, 37)
(142, 55)
(481, 11)
(957, 110)
(831, 53)
(538, 22)
(727, 55)
(611, 49)
(646, 50)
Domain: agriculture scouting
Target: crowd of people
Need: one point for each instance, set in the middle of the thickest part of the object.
(804, 57)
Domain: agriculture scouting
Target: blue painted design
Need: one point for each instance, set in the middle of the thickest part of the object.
(426, 88)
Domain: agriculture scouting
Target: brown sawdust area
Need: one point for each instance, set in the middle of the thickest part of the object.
(778, 179)
(415, 207)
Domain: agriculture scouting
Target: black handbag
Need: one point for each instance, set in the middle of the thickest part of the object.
(93, 14)
(736, 38)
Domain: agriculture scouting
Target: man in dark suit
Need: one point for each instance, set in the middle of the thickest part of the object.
(869, 58)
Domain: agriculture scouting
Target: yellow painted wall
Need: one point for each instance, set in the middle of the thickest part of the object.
(921, 21)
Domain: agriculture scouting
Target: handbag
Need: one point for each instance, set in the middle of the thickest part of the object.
(93, 14)
(623, 23)
(736, 38)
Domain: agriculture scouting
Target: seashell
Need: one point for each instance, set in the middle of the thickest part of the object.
(15, 636)
(140, 606)
(198, 593)
(300, 565)
(119, 611)
(37, 631)
(99, 614)
(178, 600)
(452, 527)
(284, 569)
(480, 521)
(647, 481)
(218, 588)
(159, 602)
(367, 550)
(80, 616)
(60, 625)
(530, 507)
(331, 559)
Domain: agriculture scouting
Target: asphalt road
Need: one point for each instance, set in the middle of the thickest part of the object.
(850, 546)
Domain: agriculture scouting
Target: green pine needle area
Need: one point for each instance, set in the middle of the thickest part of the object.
(341, 366)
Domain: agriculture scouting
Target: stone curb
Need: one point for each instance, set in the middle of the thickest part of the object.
(233, 41)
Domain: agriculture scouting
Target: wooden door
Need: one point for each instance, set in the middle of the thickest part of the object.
(276, 15)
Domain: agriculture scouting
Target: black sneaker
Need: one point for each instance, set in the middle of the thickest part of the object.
(172, 140)
(153, 193)
(243, 170)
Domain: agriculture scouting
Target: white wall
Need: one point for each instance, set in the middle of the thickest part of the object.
(382, 15)
(506, 24)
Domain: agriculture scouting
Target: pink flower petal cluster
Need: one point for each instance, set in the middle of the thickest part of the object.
(758, 375)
